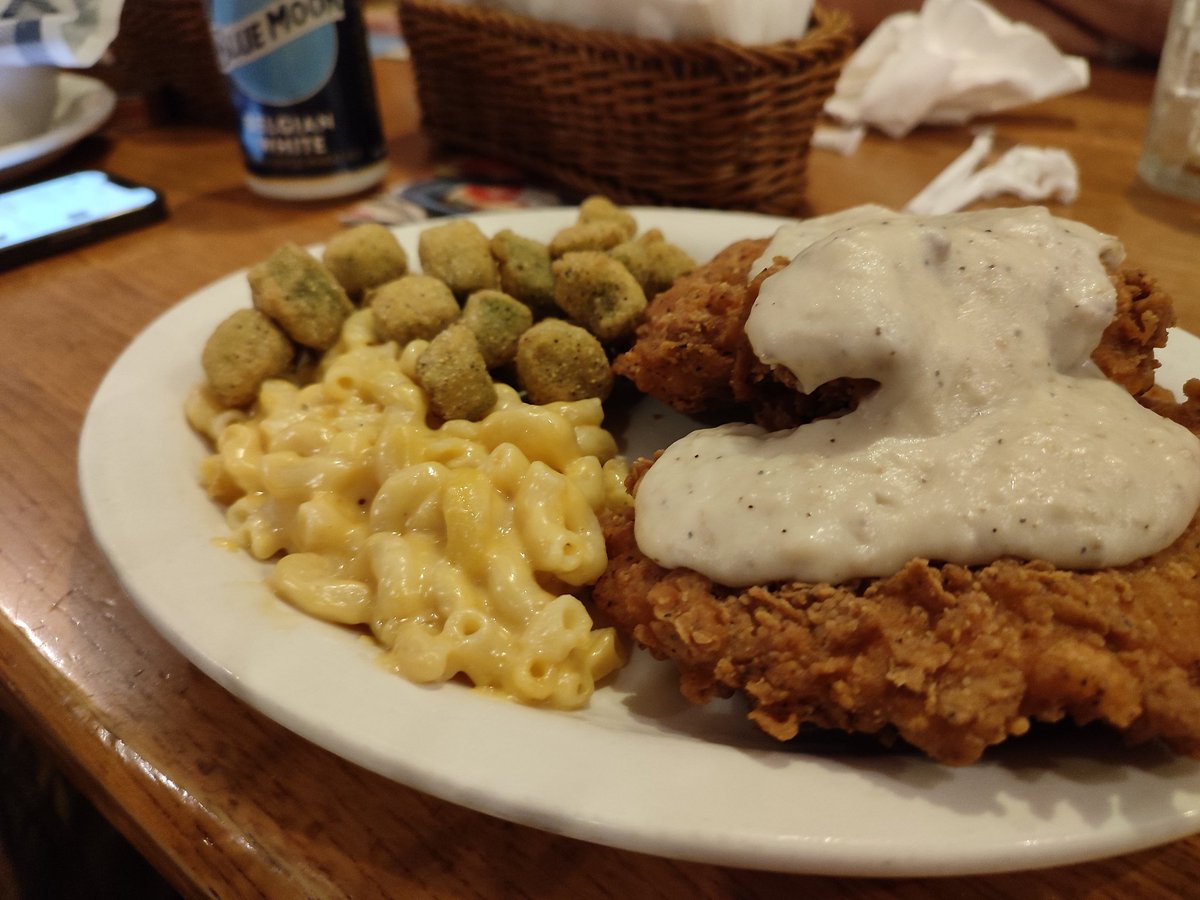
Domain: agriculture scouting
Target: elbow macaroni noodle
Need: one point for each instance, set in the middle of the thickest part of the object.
(457, 545)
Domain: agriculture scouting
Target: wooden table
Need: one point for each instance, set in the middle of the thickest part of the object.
(222, 800)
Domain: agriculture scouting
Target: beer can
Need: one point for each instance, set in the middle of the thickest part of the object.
(299, 75)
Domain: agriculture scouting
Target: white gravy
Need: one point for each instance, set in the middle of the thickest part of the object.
(992, 433)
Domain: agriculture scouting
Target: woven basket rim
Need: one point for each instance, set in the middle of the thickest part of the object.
(700, 122)
(828, 26)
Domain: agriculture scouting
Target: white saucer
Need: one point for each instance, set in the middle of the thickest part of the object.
(84, 104)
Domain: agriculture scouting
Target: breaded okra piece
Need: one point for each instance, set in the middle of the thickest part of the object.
(525, 270)
(653, 261)
(301, 295)
(412, 307)
(498, 322)
(560, 361)
(599, 293)
(455, 377)
(458, 253)
(364, 257)
(602, 234)
(243, 351)
(598, 208)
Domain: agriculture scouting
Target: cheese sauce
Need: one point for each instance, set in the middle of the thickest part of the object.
(991, 434)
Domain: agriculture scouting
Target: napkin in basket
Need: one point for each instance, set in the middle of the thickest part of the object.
(746, 22)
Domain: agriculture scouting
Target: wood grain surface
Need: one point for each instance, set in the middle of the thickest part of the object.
(220, 799)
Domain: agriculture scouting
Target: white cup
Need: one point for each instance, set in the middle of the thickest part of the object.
(27, 98)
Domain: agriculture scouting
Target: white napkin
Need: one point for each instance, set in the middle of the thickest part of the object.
(949, 62)
(843, 139)
(745, 22)
(70, 33)
(1031, 173)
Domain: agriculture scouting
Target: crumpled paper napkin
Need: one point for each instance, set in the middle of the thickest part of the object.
(66, 33)
(1030, 173)
(947, 63)
(746, 22)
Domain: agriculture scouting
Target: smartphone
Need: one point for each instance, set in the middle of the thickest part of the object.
(70, 210)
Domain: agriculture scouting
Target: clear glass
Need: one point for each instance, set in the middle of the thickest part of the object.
(1171, 154)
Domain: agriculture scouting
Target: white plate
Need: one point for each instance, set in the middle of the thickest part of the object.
(639, 768)
(83, 105)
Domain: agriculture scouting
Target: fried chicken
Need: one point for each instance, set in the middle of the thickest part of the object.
(686, 345)
(691, 351)
(948, 658)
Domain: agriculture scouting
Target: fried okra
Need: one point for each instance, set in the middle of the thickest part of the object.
(243, 351)
(459, 254)
(455, 377)
(301, 295)
(498, 322)
(364, 257)
(525, 270)
(412, 307)
(599, 293)
(600, 209)
(560, 361)
(601, 234)
(653, 261)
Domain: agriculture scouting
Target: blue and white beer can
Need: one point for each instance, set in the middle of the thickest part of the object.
(299, 75)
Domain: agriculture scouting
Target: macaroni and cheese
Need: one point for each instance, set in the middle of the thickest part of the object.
(456, 543)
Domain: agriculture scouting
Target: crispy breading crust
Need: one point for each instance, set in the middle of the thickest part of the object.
(1139, 327)
(687, 343)
(949, 658)
(692, 352)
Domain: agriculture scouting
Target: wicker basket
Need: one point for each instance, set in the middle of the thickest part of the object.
(164, 52)
(704, 123)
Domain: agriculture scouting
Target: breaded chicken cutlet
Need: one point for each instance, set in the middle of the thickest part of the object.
(951, 659)
(691, 351)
